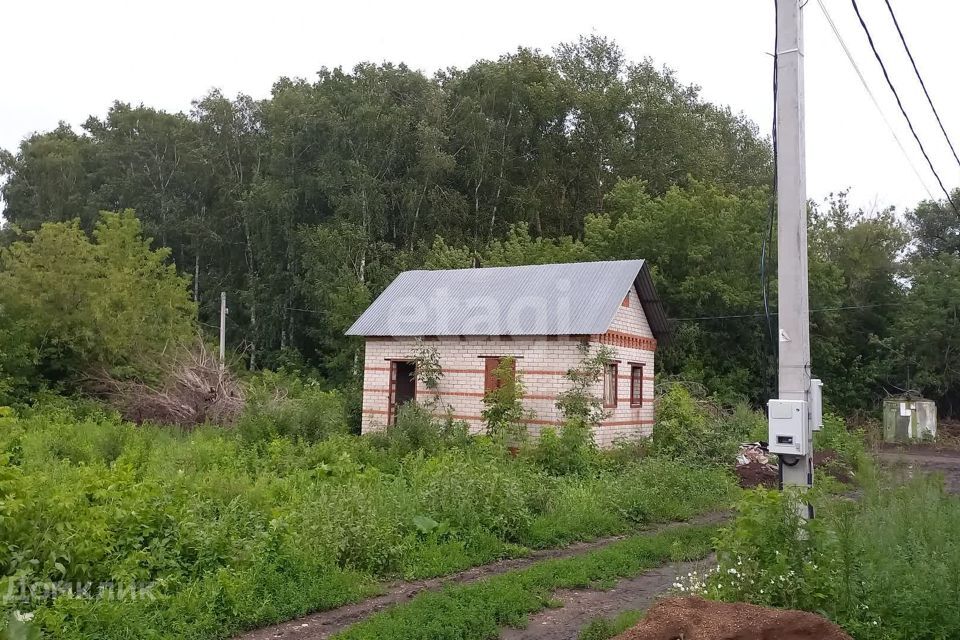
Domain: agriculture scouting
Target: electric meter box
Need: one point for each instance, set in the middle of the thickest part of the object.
(789, 427)
(816, 404)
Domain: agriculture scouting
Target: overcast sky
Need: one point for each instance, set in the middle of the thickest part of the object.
(67, 60)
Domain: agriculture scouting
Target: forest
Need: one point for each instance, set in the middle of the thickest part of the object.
(304, 205)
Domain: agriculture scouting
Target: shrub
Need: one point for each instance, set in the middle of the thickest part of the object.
(572, 450)
(848, 443)
(415, 428)
(284, 405)
(700, 431)
(578, 404)
(75, 305)
(503, 409)
(882, 567)
(680, 430)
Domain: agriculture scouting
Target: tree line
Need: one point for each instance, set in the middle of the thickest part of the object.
(304, 205)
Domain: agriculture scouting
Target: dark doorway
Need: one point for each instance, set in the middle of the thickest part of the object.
(403, 384)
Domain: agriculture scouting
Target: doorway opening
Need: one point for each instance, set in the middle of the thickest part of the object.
(403, 385)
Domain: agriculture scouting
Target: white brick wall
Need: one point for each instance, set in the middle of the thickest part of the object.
(542, 362)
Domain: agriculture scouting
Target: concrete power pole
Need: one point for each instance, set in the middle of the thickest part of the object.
(223, 325)
(791, 417)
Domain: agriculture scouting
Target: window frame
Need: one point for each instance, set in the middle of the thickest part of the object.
(490, 382)
(636, 399)
(610, 371)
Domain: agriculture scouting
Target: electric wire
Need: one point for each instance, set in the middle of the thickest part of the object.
(913, 62)
(768, 235)
(896, 95)
(819, 310)
(873, 98)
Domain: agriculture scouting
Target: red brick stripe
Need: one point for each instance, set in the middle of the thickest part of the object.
(629, 340)
(553, 423)
(532, 372)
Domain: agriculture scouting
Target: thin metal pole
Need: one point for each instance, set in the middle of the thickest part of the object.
(792, 290)
(223, 325)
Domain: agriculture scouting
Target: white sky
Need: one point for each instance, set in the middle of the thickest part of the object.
(67, 60)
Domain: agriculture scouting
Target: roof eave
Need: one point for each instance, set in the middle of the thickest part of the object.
(652, 306)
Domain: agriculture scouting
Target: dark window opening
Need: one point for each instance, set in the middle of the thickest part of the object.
(636, 385)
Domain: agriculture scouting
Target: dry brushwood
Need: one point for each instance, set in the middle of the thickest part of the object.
(194, 388)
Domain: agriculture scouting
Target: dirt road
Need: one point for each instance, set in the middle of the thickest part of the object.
(323, 624)
(920, 459)
(580, 606)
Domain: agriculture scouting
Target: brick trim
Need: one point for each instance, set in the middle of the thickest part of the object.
(532, 372)
(470, 394)
(407, 359)
(628, 340)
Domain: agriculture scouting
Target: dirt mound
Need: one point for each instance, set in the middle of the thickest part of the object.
(699, 619)
(827, 461)
(756, 474)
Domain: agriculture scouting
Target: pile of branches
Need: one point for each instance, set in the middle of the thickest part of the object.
(192, 387)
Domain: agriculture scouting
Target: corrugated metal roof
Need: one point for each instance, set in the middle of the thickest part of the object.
(550, 299)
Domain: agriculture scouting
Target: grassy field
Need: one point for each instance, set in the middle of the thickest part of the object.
(478, 611)
(884, 567)
(208, 533)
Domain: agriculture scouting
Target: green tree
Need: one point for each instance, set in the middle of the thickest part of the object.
(703, 243)
(855, 281)
(79, 307)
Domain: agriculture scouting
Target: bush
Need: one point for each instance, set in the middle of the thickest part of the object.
(848, 443)
(284, 405)
(417, 429)
(572, 450)
(701, 431)
(882, 567)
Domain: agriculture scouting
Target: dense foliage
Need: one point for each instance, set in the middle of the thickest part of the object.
(74, 306)
(882, 567)
(304, 205)
(233, 529)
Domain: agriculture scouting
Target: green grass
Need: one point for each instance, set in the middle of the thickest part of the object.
(604, 628)
(478, 611)
(233, 532)
(885, 567)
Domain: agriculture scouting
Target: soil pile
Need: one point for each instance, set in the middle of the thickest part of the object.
(827, 461)
(699, 619)
(756, 474)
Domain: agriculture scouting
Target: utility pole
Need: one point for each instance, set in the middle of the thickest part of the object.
(223, 325)
(792, 416)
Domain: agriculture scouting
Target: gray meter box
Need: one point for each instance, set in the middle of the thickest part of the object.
(789, 427)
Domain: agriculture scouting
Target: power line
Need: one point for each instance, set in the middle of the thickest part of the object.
(873, 98)
(820, 310)
(896, 95)
(896, 23)
(768, 236)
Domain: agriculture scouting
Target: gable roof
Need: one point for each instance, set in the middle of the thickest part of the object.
(578, 298)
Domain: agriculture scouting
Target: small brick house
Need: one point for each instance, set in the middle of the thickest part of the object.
(539, 315)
